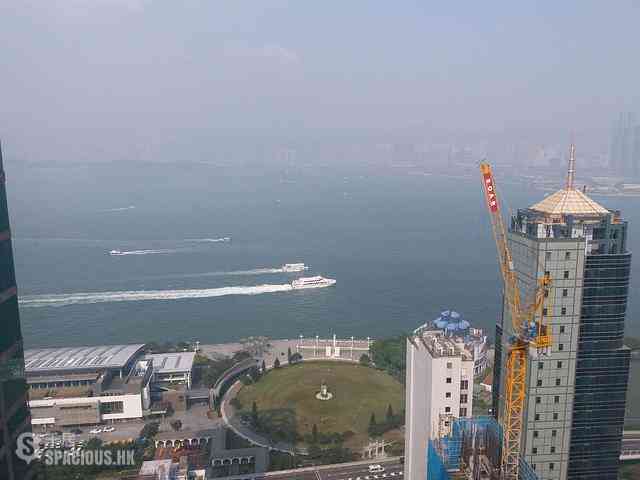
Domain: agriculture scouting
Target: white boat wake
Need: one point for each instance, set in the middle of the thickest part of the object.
(208, 240)
(62, 300)
(119, 209)
(255, 271)
(118, 253)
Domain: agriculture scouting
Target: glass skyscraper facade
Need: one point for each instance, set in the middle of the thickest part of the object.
(624, 154)
(14, 411)
(602, 366)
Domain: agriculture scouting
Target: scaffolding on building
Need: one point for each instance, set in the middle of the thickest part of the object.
(471, 451)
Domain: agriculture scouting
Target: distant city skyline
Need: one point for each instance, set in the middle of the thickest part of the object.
(121, 80)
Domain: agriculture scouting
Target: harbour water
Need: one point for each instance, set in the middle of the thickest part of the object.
(204, 244)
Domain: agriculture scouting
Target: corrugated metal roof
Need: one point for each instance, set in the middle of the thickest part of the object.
(569, 202)
(172, 362)
(79, 358)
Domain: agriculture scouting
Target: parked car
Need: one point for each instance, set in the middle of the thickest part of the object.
(108, 429)
(96, 431)
(376, 468)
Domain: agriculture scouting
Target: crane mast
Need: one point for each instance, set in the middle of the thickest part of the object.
(529, 329)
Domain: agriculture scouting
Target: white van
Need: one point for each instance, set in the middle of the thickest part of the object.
(376, 469)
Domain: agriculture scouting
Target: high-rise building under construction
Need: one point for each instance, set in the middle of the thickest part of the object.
(14, 412)
(575, 396)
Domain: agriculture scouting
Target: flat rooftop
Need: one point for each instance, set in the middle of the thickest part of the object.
(172, 362)
(439, 345)
(40, 360)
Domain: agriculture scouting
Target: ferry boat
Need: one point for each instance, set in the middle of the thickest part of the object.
(115, 252)
(312, 282)
(294, 267)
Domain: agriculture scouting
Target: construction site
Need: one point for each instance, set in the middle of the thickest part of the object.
(560, 378)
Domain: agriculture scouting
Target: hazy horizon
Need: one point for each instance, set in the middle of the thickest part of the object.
(95, 80)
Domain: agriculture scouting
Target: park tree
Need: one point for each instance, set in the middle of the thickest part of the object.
(276, 364)
(289, 354)
(372, 420)
(314, 433)
(264, 367)
(365, 360)
(254, 414)
(389, 414)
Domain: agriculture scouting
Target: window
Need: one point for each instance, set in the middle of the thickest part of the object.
(537, 416)
(546, 273)
(463, 412)
(111, 407)
(538, 399)
(534, 450)
(449, 365)
(540, 365)
(547, 255)
(534, 466)
(551, 466)
(546, 292)
(558, 382)
(567, 255)
(464, 398)
(552, 449)
(563, 311)
(561, 346)
(566, 274)
(448, 379)
(556, 399)
(464, 384)
(565, 292)
(539, 383)
(554, 433)
(447, 395)
(562, 328)
(447, 409)
(535, 434)
(559, 364)
(555, 416)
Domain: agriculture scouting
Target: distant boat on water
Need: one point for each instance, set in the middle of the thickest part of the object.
(312, 282)
(294, 267)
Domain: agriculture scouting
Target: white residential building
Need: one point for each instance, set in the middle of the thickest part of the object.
(439, 388)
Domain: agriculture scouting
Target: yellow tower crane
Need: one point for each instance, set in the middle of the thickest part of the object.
(529, 330)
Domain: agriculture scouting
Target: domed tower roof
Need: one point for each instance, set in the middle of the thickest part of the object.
(569, 201)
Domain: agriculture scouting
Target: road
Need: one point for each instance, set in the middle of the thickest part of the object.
(351, 471)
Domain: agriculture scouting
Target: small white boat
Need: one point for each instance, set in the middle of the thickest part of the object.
(115, 252)
(294, 267)
(312, 282)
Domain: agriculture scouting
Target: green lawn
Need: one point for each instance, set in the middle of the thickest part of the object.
(286, 397)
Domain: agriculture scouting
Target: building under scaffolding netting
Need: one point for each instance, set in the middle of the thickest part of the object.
(471, 452)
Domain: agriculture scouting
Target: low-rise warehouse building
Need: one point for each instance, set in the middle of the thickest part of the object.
(172, 368)
(92, 385)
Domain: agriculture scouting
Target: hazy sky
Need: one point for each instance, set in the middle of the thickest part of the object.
(84, 77)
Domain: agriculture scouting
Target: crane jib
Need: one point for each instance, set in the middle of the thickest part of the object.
(490, 191)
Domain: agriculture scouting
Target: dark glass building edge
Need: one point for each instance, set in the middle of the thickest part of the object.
(14, 411)
(602, 370)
